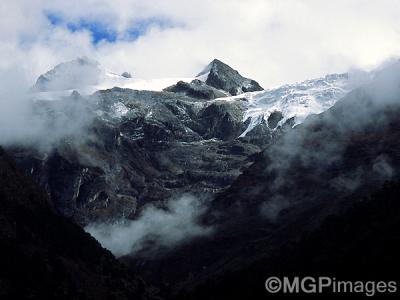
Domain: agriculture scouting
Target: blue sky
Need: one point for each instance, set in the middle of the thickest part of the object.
(99, 31)
(105, 32)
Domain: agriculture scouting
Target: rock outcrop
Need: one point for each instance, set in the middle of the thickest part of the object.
(196, 89)
(223, 77)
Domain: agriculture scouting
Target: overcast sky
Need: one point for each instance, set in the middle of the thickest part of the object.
(273, 42)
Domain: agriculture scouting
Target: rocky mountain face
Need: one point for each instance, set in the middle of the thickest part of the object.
(121, 162)
(45, 256)
(139, 147)
(136, 147)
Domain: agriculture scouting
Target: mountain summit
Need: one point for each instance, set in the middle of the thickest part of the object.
(73, 74)
(221, 76)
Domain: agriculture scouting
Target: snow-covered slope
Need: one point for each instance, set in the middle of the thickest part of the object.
(297, 100)
(86, 76)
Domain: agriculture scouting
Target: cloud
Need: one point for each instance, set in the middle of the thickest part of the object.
(155, 229)
(41, 124)
(271, 41)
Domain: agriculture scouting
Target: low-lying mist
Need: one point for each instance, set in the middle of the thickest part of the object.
(39, 124)
(155, 228)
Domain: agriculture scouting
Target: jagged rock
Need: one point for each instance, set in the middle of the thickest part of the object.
(223, 120)
(261, 135)
(196, 89)
(223, 77)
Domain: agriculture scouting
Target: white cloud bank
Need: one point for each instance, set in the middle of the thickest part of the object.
(271, 41)
(155, 229)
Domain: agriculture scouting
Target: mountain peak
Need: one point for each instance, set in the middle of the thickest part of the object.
(76, 73)
(221, 76)
(214, 64)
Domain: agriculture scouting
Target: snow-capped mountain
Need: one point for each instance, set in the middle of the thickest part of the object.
(217, 82)
(190, 133)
